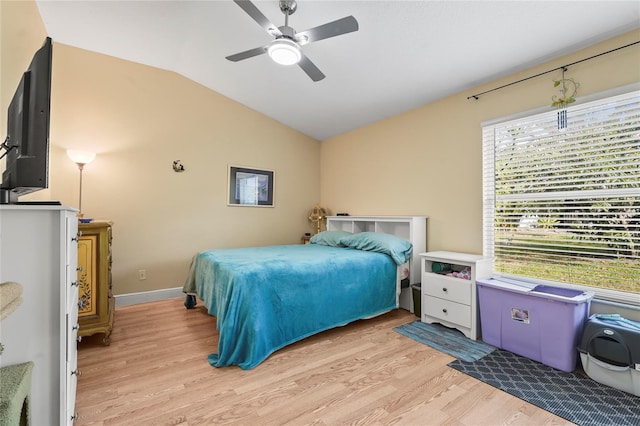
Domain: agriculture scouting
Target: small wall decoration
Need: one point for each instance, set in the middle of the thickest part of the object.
(178, 167)
(250, 187)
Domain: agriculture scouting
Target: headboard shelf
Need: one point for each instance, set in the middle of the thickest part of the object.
(411, 228)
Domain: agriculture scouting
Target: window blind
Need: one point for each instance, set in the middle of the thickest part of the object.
(562, 200)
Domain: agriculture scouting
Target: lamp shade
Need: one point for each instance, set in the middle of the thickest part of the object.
(81, 157)
(284, 51)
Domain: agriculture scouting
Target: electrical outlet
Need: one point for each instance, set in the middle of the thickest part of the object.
(142, 274)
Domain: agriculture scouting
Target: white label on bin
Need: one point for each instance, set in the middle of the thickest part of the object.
(520, 315)
(638, 367)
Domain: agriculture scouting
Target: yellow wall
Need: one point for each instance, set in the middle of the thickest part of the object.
(428, 161)
(18, 43)
(139, 120)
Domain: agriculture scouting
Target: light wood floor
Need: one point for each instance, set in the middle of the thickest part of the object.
(156, 373)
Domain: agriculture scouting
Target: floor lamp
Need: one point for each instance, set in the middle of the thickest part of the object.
(80, 158)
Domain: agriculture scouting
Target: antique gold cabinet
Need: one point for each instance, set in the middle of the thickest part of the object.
(95, 299)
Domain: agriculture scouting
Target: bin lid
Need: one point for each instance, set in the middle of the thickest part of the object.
(622, 337)
(560, 294)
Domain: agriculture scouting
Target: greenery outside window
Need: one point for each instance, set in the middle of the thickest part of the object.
(563, 205)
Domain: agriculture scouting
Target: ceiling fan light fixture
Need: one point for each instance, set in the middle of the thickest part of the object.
(284, 51)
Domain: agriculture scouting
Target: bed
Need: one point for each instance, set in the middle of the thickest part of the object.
(265, 298)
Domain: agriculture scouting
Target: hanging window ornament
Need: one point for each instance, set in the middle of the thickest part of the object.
(568, 89)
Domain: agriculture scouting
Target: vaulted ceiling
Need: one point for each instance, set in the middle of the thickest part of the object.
(404, 55)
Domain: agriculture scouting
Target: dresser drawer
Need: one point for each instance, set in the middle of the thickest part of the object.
(450, 288)
(446, 310)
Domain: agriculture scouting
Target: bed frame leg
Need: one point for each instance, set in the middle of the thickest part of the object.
(190, 301)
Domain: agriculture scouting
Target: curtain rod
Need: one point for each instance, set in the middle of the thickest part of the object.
(562, 67)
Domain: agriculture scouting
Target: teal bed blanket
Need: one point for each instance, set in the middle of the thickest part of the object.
(265, 298)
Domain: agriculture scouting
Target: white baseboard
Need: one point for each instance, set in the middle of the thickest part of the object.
(148, 296)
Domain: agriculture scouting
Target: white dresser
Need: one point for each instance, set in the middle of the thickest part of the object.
(448, 299)
(38, 249)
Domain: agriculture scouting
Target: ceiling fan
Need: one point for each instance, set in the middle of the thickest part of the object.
(285, 49)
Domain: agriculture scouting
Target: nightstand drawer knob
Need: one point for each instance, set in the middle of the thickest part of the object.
(444, 310)
(444, 289)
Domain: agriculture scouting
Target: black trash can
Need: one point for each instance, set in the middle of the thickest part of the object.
(417, 299)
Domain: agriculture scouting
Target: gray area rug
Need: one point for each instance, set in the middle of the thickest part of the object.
(571, 396)
(444, 339)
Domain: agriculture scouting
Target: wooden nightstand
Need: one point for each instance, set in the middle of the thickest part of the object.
(95, 299)
(305, 239)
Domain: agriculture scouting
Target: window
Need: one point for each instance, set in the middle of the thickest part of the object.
(563, 205)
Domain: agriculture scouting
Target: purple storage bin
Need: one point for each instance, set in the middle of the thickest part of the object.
(540, 322)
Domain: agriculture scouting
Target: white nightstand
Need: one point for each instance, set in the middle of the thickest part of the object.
(449, 300)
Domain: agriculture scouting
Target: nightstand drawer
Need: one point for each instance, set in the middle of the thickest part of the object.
(446, 310)
(450, 288)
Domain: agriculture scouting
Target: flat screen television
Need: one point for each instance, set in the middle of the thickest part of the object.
(26, 147)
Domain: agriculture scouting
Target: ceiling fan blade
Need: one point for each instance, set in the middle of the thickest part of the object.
(311, 69)
(247, 54)
(257, 16)
(331, 29)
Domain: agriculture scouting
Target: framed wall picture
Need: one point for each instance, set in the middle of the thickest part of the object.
(250, 187)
